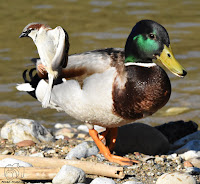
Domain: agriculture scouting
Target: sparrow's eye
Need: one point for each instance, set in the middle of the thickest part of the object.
(29, 30)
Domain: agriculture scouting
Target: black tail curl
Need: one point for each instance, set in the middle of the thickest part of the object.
(34, 80)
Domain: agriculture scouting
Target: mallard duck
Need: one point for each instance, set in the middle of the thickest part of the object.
(113, 87)
(52, 46)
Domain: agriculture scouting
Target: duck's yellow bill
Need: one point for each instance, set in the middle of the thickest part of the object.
(168, 60)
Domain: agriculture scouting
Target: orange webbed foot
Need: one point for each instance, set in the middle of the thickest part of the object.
(106, 152)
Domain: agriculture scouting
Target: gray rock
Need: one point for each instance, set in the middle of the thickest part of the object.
(192, 145)
(186, 139)
(83, 150)
(141, 138)
(176, 178)
(69, 175)
(102, 180)
(11, 162)
(17, 130)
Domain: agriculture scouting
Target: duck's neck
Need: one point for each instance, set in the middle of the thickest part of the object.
(131, 59)
(134, 49)
(132, 53)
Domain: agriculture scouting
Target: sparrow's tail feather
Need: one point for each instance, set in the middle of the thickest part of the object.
(47, 97)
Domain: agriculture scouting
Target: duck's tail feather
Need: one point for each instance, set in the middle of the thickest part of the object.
(30, 85)
(24, 87)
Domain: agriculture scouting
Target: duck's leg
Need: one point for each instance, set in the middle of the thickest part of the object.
(110, 135)
(102, 136)
(106, 152)
(112, 138)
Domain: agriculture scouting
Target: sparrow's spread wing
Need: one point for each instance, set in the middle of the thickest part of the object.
(60, 36)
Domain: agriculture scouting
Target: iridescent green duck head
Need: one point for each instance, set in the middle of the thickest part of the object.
(149, 40)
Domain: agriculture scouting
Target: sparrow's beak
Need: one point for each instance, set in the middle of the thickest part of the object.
(23, 34)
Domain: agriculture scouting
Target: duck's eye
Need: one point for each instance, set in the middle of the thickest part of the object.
(152, 36)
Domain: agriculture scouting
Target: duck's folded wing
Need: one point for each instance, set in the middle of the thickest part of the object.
(97, 61)
(85, 64)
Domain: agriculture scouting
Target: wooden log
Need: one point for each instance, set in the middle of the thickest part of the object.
(56, 164)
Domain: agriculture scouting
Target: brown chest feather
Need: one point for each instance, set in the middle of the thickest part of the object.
(146, 91)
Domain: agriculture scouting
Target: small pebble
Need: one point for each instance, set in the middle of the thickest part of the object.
(69, 175)
(159, 159)
(65, 149)
(6, 152)
(195, 162)
(37, 155)
(20, 153)
(25, 143)
(3, 141)
(65, 132)
(59, 125)
(187, 164)
(102, 180)
(50, 151)
(59, 137)
(84, 128)
(81, 136)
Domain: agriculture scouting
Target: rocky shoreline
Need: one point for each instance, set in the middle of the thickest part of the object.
(168, 153)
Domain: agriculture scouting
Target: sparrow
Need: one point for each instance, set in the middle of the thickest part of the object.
(52, 46)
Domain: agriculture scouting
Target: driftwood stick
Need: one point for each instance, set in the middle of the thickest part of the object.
(87, 167)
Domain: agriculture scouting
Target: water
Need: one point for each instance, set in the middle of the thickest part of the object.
(94, 24)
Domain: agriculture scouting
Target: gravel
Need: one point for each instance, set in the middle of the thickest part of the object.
(149, 169)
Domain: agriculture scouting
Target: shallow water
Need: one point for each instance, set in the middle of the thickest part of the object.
(93, 24)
